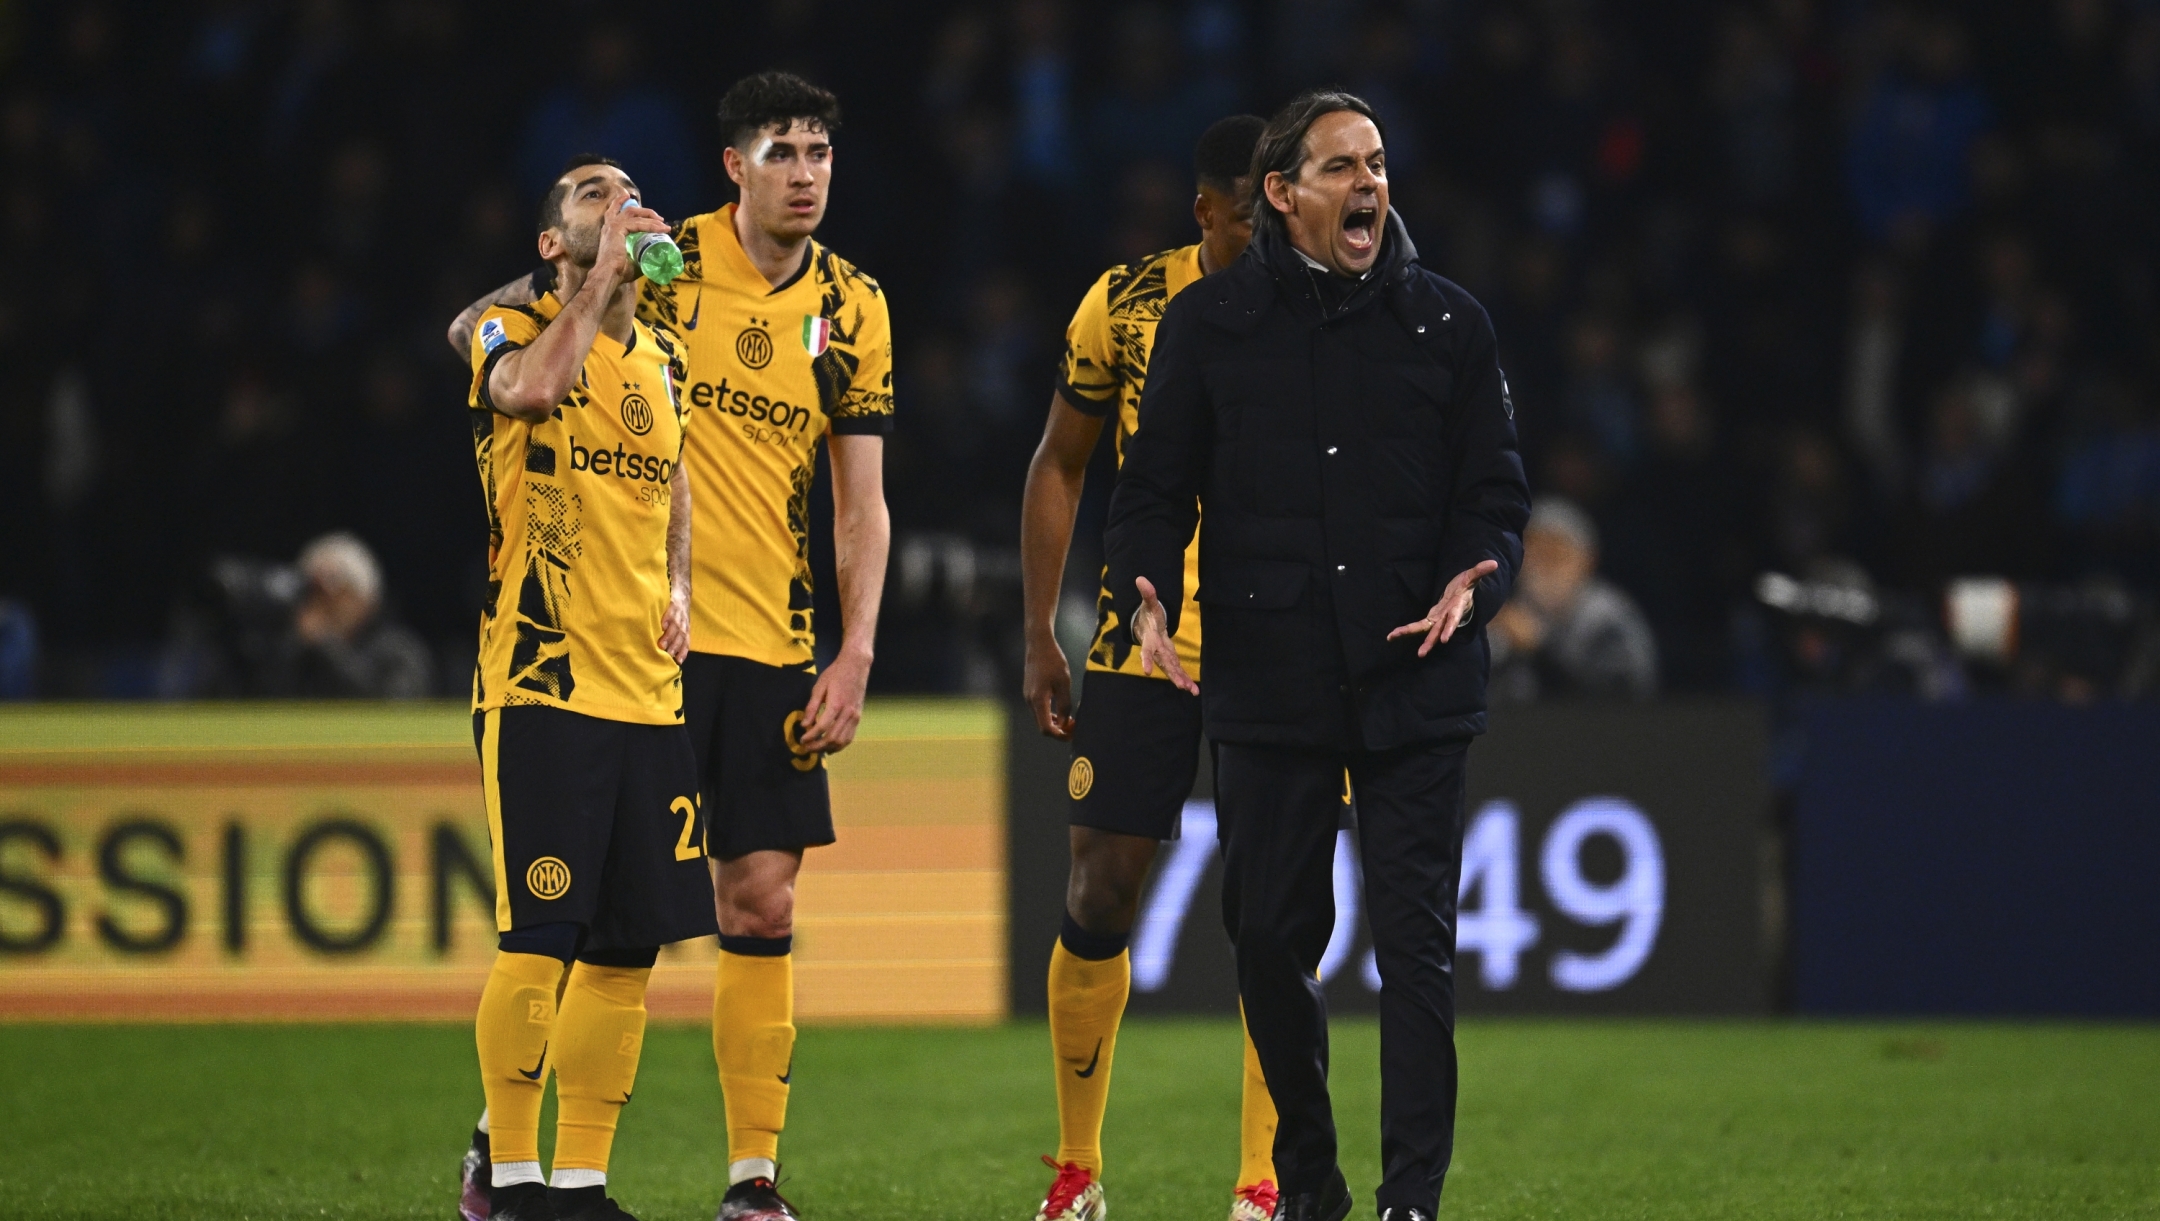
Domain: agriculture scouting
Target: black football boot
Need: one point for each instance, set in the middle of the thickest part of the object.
(1330, 1203)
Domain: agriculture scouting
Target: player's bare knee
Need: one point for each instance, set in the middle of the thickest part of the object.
(1108, 872)
(1104, 896)
(757, 908)
(1102, 913)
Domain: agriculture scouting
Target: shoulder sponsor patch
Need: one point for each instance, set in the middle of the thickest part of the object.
(492, 335)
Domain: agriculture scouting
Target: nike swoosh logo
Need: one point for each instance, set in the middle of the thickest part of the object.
(1094, 1060)
(790, 1070)
(696, 307)
(534, 1073)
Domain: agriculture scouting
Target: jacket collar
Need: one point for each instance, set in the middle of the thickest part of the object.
(1295, 279)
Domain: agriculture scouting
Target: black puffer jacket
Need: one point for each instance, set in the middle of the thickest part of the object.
(1354, 449)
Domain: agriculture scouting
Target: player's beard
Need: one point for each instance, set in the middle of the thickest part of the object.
(582, 244)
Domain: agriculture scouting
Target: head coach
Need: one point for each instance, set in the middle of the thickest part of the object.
(1341, 414)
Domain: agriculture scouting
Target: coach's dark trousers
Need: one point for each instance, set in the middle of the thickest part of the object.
(1277, 813)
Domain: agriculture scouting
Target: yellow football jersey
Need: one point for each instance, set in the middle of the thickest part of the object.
(771, 370)
(577, 527)
(1105, 366)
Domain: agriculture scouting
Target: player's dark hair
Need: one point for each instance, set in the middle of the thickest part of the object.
(1224, 153)
(767, 99)
(1281, 148)
(552, 202)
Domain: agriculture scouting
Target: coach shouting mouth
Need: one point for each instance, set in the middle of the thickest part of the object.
(1340, 200)
(1333, 418)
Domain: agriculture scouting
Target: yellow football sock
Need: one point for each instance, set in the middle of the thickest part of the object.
(515, 1023)
(754, 1045)
(1256, 1119)
(1087, 999)
(597, 1039)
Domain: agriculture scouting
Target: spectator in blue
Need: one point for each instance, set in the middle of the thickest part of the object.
(18, 650)
(2108, 493)
(604, 110)
(1154, 107)
(1907, 164)
(1042, 86)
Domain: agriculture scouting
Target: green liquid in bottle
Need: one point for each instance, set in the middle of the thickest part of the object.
(656, 254)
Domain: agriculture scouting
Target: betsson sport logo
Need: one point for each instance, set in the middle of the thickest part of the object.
(646, 468)
(756, 408)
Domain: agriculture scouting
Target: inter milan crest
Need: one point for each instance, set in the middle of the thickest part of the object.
(548, 878)
(1080, 778)
(754, 347)
(637, 414)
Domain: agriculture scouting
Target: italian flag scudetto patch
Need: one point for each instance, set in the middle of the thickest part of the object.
(816, 334)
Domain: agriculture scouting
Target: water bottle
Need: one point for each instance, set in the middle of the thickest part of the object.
(654, 253)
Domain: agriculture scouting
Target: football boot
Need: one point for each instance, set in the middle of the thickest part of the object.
(585, 1204)
(755, 1200)
(473, 1178)
(520, 1202)
(1330, 1203)
(1074, 1195)
(1254, 1203)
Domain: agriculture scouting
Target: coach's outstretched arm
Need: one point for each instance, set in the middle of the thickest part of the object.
(1156, 505)
(1488, 497)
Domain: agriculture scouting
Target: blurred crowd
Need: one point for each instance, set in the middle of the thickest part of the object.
(1834, 327)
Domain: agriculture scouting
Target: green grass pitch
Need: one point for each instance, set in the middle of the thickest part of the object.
(1558, 1120)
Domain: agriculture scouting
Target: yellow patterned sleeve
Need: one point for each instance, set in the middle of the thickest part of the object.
(678, 375)
(656, 305)
(503, 329)
(1087, 373)
(864, 351)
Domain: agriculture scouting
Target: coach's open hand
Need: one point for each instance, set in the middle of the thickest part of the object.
(1157, 650)
(1453, 609)
(835, 706)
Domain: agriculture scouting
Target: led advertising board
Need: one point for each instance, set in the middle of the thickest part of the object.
(1991, 858)
(1615, 860)
(331, 862)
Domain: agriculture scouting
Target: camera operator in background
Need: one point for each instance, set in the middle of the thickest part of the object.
(317, 628)
(342, 643)
(1568, 631)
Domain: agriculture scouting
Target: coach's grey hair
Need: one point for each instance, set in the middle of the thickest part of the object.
(1282, 145)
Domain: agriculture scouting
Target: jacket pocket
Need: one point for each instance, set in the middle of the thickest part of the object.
(1255, 585)
(1434, 383)
(1408, 400)
(1261, 644)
